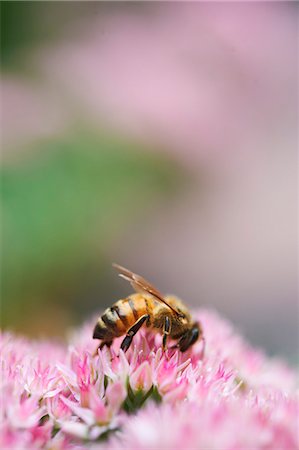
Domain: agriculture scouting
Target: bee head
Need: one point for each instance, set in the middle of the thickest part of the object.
(182, 319)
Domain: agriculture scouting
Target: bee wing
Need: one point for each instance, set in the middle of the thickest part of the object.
(141, 285)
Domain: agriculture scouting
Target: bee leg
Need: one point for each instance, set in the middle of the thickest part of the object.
(101, 345)
(189, 338)
(166, 331)
(184, 342)
(107, 343)
(132, 331)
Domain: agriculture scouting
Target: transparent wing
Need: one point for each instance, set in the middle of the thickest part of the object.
(141, 285)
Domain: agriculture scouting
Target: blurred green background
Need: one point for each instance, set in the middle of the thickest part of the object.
(67, 199)
(64, 206)
(161, 136)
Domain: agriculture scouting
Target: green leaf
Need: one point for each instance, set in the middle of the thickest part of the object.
(137, 399)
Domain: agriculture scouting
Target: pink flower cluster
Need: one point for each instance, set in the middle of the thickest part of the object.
(71, 398)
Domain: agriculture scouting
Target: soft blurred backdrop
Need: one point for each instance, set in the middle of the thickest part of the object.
(162, 136)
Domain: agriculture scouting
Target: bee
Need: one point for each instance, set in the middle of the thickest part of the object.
(167, 315)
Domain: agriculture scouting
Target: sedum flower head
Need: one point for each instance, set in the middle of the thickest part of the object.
(226, 396)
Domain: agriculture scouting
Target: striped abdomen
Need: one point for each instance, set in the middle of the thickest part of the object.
(117, 319)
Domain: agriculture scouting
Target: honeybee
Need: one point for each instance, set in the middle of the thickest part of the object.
(167, 315)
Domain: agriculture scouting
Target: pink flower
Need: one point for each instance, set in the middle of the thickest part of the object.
(69, 397)
(231, 424)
